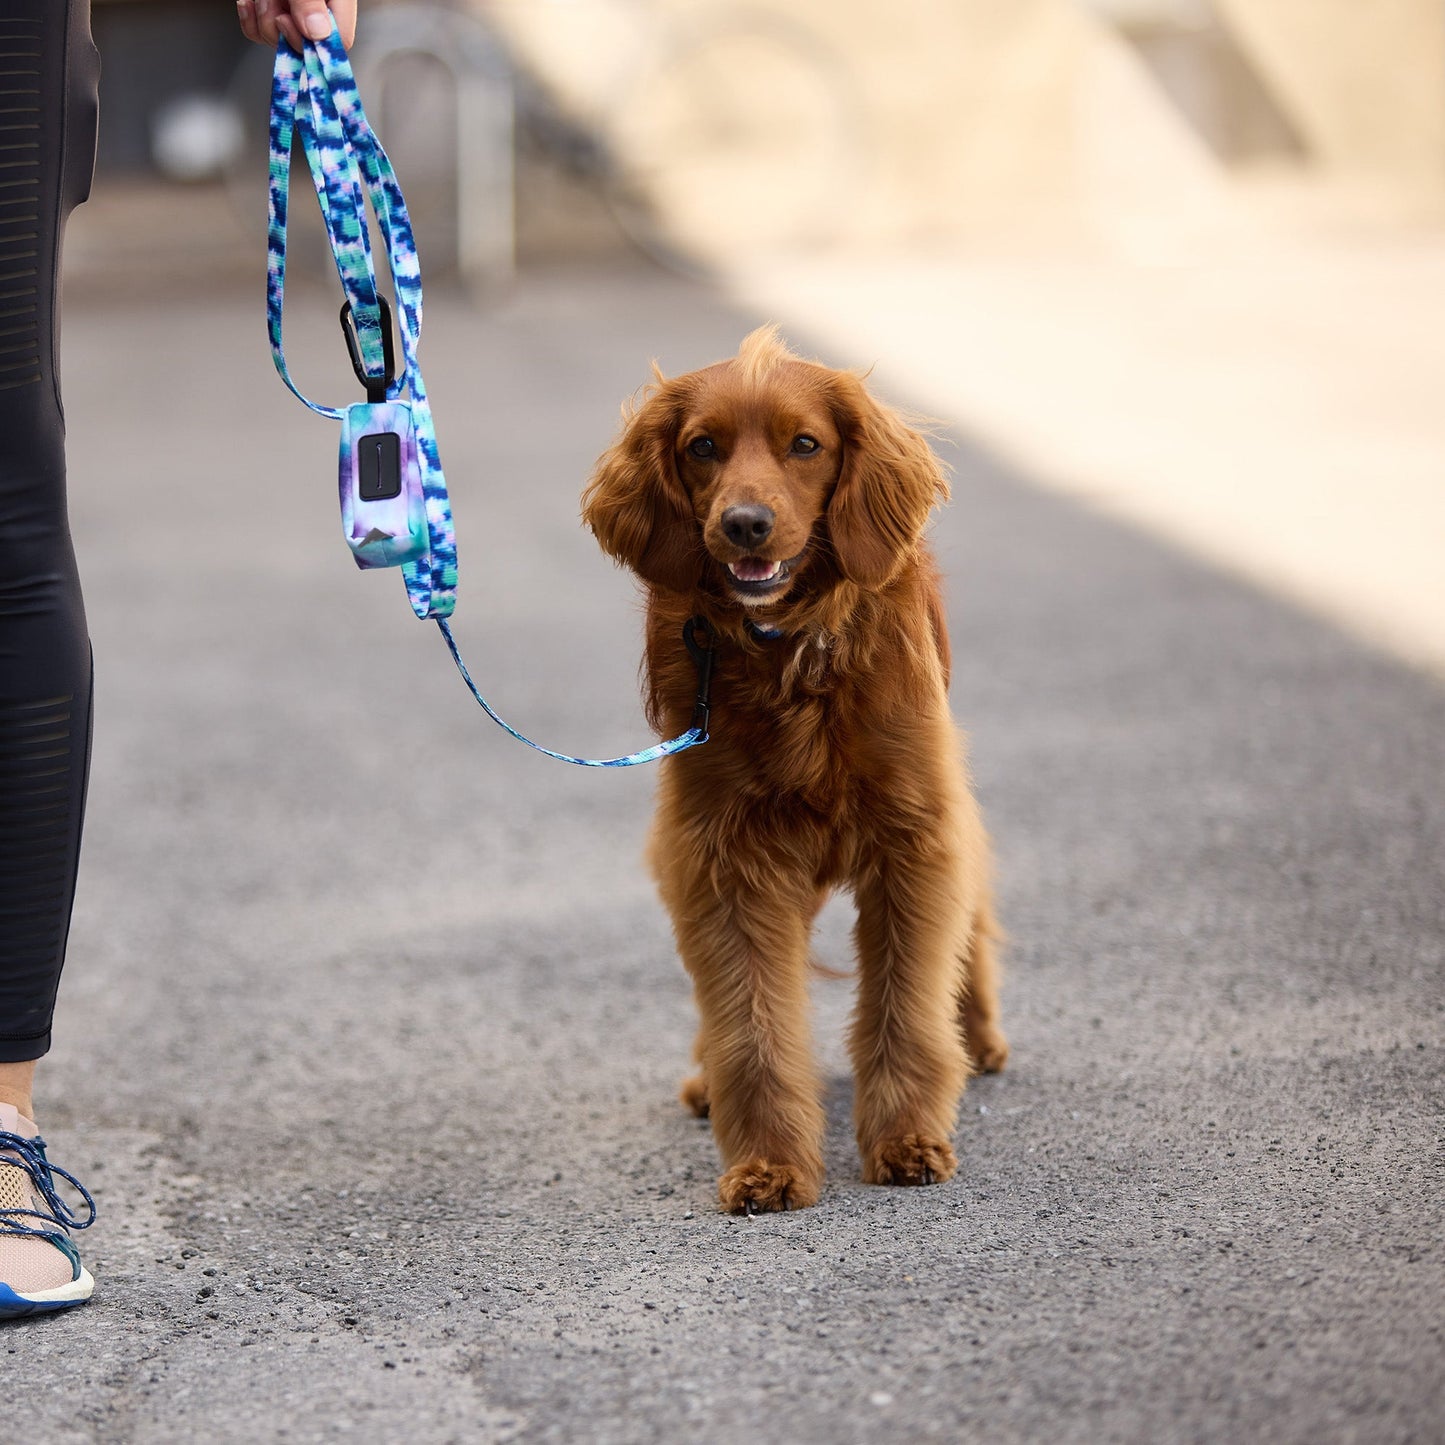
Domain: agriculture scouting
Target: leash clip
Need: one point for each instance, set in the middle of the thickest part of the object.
(703, 656)
(375, 386)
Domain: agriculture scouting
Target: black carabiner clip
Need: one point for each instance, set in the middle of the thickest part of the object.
(375, 386)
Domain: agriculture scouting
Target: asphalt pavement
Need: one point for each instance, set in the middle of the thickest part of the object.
(371, 1030)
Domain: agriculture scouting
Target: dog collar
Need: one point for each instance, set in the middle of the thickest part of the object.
(761, 634)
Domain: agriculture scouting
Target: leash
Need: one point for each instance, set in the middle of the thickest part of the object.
(395, 511)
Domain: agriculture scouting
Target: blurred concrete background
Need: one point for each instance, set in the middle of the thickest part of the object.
(373, 1080)
(1204, 238)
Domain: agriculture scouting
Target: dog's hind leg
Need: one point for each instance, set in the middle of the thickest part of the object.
(694, 1093)
(978, 1007)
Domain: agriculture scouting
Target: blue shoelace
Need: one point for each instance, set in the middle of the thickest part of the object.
(29, 1155)
(314, 95)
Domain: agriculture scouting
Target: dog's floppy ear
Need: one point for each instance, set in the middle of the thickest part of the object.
(888, 485)
(636, 504)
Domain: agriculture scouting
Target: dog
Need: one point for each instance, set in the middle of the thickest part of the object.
(776, 499)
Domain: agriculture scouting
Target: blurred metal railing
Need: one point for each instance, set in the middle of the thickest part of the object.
(480, 74)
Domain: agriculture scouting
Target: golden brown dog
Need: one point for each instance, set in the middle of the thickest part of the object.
(778, 500)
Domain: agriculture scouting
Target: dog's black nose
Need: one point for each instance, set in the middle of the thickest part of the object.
(748, 525)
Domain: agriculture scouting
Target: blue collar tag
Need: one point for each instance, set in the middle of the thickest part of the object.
(395, 511)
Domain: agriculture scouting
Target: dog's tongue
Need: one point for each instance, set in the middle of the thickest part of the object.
(753, 569)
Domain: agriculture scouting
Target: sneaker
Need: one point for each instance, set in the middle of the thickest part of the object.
(39, 1267)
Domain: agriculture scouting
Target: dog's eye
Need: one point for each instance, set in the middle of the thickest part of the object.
(805, 445)
(702, 448)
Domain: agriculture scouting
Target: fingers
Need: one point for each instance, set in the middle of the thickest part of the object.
(312, 18)
(260, 20)
(266, 21)
(287, 26)
(344, 13)
(246, 14)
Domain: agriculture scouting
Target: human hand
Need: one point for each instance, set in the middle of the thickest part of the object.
(264, 20)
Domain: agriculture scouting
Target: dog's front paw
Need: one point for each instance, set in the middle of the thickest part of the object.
(910, 1159)
(757, 1186)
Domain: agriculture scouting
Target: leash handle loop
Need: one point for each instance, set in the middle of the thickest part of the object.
(314, 95)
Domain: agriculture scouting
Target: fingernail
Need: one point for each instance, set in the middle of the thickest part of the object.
(262, 6)
(318, 25)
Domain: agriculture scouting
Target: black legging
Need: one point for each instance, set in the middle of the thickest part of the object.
(48, 75)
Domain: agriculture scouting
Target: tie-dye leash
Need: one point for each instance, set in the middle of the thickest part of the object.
(314, 95)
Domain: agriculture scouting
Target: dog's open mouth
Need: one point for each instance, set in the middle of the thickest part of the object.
(758, 576)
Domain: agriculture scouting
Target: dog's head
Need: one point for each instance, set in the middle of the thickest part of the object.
(761, 477)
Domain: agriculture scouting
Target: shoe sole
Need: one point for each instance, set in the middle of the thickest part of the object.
(66, 1296)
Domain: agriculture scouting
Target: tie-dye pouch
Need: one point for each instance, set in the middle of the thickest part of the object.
(383, 508)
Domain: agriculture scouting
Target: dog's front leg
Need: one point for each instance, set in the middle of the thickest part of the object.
(747, 951)
(908, 1057)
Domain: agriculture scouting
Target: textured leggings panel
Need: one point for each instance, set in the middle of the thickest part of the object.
(48, 76)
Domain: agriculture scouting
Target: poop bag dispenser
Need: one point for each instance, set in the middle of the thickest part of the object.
(383, 504)
(383, 509)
